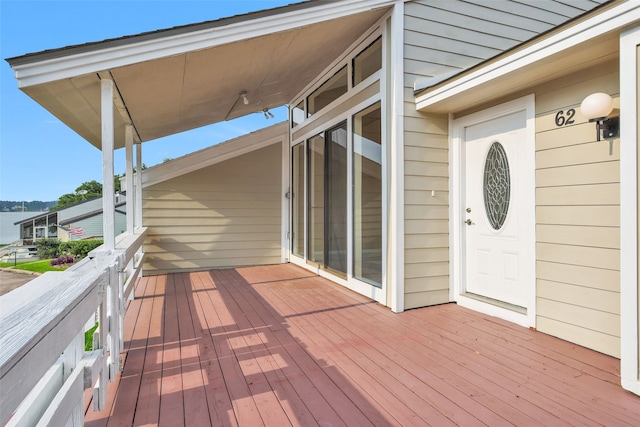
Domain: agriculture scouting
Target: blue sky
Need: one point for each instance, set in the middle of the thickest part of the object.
(40, 158)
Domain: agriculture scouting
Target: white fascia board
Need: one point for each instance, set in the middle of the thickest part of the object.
(45, 71)
(609, 20)
(216, 154)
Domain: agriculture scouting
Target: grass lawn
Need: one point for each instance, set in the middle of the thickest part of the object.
(88, 338)
(10, 264)
(39, 266)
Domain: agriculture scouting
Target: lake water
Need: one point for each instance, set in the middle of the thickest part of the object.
(8, 231)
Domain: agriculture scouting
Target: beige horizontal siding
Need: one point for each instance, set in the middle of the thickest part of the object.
(596, 237)
(585, 276)
(224, 215)
(582, 195)
(426, 213)
(595, 215)
(580, 335)
(578, 217)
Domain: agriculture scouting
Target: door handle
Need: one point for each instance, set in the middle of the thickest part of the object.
(468, 222)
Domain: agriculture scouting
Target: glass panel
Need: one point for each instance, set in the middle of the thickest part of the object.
(297, 114)
(297, 200)
(497, 185)
(367, 195)
(330, 90)
(336, 199)
(367, 62)
(41, 232)
(315, 169)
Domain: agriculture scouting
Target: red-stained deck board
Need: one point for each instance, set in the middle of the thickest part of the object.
(333, 385)
(99, 419)
(246, 346)
(564, 384)
(280, 369)
(148, 400)
(470, 355)
(384, 339)
(225, 336)
(346, 356)
(277, 345)
(171, 385)
(447, 380)
(196, 411)
(221, 411)
(309, 386)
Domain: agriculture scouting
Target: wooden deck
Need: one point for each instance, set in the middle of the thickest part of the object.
(278, 346)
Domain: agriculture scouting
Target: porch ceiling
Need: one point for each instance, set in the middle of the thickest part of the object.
(200, 85)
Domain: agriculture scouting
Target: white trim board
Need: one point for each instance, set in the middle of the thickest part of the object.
(456, 224)
(395, 143)
(48, 70)
(629, 334)
(215, 154)
(609, 20)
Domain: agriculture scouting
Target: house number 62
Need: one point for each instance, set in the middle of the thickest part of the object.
(564, 119)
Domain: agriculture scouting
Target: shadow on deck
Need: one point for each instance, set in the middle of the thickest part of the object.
(278, 346)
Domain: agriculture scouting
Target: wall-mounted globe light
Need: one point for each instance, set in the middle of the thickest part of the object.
(597, 107)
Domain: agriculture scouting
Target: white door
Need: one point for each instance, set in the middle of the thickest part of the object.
(496, 256)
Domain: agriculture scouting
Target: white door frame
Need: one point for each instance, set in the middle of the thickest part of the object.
(456, 224)
(629, 334)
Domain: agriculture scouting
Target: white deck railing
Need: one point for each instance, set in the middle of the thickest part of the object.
(44, 369)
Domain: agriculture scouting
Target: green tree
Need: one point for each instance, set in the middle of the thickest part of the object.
(86, 190)
(91, 187)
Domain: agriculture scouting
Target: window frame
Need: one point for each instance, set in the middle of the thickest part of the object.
(362, 96)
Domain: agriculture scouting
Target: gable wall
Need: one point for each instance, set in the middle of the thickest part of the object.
(224, 215)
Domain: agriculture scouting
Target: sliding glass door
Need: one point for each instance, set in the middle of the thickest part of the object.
(367, 195)
(338, 206)
(327, 204)
(297, 200)
(316, 178)
(336, 200)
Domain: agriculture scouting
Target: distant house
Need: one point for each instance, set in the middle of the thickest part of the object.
(76, 222)
(436, 151)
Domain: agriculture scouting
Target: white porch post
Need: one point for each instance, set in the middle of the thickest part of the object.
(131, 205)
(108, 196)
(396, 164)
(138, 186)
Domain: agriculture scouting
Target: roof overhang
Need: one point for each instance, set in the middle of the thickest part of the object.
(579, 45)
(179, 79)
(91, 214)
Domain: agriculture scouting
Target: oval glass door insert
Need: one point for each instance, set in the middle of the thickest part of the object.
(497, 185)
